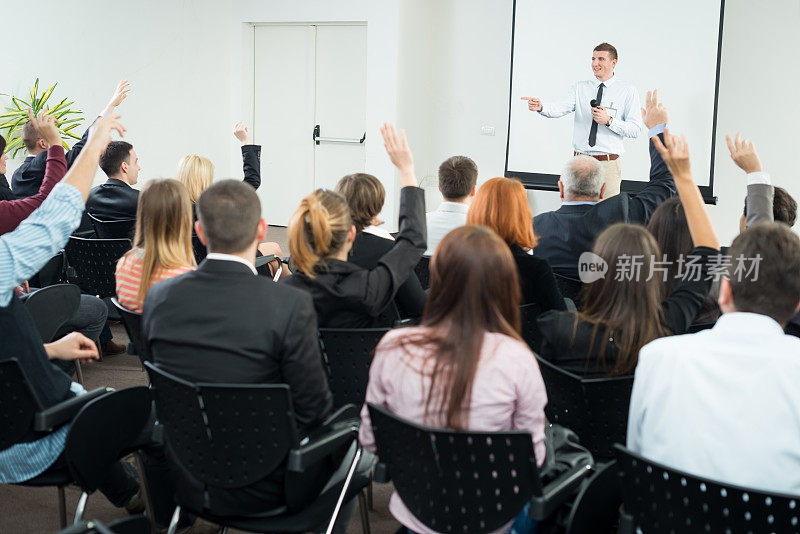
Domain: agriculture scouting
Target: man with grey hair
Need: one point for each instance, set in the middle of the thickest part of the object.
(568, 232)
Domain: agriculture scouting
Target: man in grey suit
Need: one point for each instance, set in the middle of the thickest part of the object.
(457, 179)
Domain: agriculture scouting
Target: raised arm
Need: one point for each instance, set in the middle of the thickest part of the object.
(120, 94)
(760, 193)
(251, 154)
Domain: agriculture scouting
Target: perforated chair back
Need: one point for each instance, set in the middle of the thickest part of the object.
(51, 307)
(119, 417)
(348, 353)
(422, 271)
(594, 408)
(460, 482)
(94, 262)
(224, 435)
(17, 403)
(119, 229)
(530, 326)
(662, 499)
(132, 322)
(570, 288)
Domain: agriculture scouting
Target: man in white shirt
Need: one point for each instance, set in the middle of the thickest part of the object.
(724, 403)
(599, 129)
(457, 178)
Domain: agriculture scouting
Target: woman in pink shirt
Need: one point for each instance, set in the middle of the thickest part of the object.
(465, 367)
(162, 244)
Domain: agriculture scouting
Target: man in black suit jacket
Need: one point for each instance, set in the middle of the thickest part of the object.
(224, 323)
(568, 232)
(115, 200)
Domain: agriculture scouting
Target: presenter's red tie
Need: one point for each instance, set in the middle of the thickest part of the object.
(593, 129)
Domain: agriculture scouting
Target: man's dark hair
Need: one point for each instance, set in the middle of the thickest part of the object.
(229, 211)
(605, 47)
(784, 207)
(457, 176)
(115, 154)
(775, 291)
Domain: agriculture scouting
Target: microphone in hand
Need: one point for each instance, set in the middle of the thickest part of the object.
(594, 103)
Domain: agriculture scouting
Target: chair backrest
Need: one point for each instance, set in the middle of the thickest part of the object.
(348, 353)
(662, 499)
(594, 408)
(422, 270)
(530, 326)
(457, 481)
(52, 273)
(94, 262)
(105, 430)
(17, 403)
(570, 288)
(51, 307)
(224, 435)
(119, 229)
(132, 322)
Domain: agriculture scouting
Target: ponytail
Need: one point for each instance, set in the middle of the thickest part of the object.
(318, 229)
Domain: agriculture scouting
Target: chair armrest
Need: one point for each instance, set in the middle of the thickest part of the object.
(263, 260)
(63, 412)
(310, 453)
(347, 413)
(381, 473)
(570, 304)
(556, 492)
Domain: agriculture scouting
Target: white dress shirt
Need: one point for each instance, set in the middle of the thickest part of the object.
(617, 94)
(722, 404)
(446, 217)
(231, 257)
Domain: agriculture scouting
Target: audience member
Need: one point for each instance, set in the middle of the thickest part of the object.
(626, 309)
(162, 243)
(565, 234)
(724, 403)
(321, 234)
(365, 195)
(502, 205)
(22, 253)
(27, 179)
(5, 189)
(458, 177)
(784, 208)
(465, 367)
(116, 200)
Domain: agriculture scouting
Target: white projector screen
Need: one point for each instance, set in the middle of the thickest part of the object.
(671, 46)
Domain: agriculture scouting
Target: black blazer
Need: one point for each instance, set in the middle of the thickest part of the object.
(538, 283)
(367, 251)
(222, 323)
(27, 179)
(5, 190)
(348, 296)
(113, 201)
(585, 353)
(569, 231)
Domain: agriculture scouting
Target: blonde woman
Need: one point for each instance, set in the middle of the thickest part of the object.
(162, 244)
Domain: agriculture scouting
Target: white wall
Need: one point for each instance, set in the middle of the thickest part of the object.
(187, 62)
(455, 79)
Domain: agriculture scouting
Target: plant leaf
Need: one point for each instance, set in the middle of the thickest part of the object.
(46, 95)
(15, 113)
(71, 134)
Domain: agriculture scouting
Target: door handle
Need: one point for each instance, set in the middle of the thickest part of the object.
(318, 139)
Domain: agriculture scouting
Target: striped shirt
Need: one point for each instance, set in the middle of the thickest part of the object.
(129, 278)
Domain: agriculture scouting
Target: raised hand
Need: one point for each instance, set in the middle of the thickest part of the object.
(240, 132)
(100, 132)
(534, 104)
(120, 94)
(654, 112)
(675, 153)
(47, 127)
(397, 148)
(743, 154)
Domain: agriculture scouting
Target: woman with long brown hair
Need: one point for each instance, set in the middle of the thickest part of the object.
(502, 205)
(465, 366)
(162, 242)
(626, 309)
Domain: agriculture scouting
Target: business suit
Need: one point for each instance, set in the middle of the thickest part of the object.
(113, 201)
(222, 323)
(537, 281)
(566, 233)
(27, 179)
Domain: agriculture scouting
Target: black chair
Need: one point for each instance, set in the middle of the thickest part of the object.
(596, 508)
(53, 272)
(231, 435)
(594, 408)
(422, 270)
(92, 262)
(570, 288)
(135, 524)
(119, 229)
(348, 354)
(132, 322)
(660, 499)
(21, 411)
(455, 481)
(530, 326)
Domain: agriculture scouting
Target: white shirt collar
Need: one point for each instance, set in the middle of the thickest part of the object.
(607, 83)
(231, 257)
(579, 202)
(377, 231)
(453, 207)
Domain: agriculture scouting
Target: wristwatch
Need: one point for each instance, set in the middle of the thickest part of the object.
(609, 121)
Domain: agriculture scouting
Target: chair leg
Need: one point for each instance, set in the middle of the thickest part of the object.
(81, 507)
(148, 503)
(62, 507)
(362, 508)
(173, 523)
(340, 500)
(78, 372)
